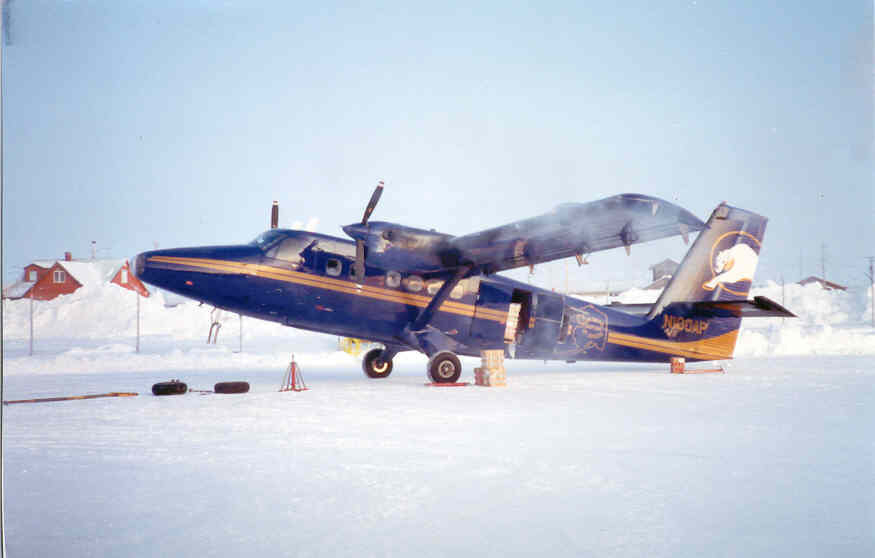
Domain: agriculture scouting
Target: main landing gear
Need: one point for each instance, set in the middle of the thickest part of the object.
(443, 367)
(374, 366)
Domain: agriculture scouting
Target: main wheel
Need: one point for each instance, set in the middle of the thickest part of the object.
(374, 367)
(444, 368)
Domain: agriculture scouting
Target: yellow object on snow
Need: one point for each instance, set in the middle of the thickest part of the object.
(352, 346)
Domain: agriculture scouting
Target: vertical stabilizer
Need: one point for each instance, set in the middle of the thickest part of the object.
(721, 263)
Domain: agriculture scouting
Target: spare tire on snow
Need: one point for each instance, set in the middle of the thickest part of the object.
(174, 387)
(231, 387)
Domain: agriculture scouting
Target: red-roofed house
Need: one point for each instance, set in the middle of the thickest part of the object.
(824, 284)
(45, 280)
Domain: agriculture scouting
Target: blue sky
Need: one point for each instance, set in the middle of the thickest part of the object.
(144, 123)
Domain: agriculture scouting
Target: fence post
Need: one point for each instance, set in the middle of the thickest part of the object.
(31, 324)
(136, 294)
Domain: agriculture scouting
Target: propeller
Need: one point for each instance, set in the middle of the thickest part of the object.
(274, 215)
(375, 197)
(359, 265)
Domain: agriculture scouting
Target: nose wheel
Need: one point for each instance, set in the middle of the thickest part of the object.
(444, 368)
(374, 366)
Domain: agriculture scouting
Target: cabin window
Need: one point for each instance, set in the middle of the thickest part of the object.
(433, 287)
(291, 250)
(333, 267)
(413, 283)
(393, 279)
(124, 277)
(59, 276)
(457, 292)
(31, 275)
(338, 247)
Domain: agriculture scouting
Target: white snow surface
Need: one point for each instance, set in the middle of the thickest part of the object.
(774, 457)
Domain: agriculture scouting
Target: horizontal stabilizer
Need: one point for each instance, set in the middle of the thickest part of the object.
(636, 309)
(759, 307)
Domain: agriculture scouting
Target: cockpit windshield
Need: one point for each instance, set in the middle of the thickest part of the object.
(293, 246)
(267, 238)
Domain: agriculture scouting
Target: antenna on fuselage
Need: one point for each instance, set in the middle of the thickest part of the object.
(275, 215)
(360, 242)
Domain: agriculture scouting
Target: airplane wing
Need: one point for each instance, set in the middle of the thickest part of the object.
(573, 229)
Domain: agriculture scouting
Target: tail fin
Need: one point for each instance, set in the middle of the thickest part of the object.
(721, 263)
(719, 268)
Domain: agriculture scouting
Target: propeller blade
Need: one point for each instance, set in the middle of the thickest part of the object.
(375, 197)
(274, 215)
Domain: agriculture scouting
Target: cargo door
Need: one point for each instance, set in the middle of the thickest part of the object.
(545, 327)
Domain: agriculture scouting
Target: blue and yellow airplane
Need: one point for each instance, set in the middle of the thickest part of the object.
(418, 290)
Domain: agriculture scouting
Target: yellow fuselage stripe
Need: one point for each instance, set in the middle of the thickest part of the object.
(714, 348)
(336, 285)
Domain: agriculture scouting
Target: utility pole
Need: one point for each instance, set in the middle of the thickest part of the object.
(783, 295)
(871, 275)
(801, 277)
(566, 277)
(823, 261)
(31, 325)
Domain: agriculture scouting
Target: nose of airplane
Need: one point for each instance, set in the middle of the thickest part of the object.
(138, 264)
(173, 268)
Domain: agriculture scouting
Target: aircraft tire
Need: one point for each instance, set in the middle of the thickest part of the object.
(371, 367)
(444, 368)
(231, 387)
(169, 388)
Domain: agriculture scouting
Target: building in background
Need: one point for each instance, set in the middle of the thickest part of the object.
(824, 284)
(49, 279)
(660, 274)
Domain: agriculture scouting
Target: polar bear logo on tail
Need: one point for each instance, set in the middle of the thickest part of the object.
(733, 265)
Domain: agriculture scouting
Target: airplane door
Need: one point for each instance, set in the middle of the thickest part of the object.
(546, 325)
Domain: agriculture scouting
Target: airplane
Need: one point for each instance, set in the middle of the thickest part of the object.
(412, 289)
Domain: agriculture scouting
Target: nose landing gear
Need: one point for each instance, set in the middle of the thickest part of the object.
(374, 366)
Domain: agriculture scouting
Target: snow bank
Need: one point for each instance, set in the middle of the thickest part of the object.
(111, 313)
(867, 315)
(827, 323)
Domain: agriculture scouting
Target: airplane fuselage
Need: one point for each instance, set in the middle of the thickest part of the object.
(305, 280)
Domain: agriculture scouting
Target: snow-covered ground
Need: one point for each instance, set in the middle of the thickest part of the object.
(775, 457)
